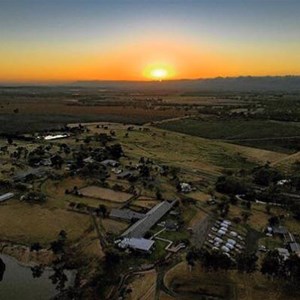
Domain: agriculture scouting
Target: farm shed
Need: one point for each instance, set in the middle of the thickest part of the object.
(6, 196)
(109, 163)
(125, 214)
(125, 174)
(280, 230)
(55, 137)
(32, 173)
(139, 229)
(295, 247)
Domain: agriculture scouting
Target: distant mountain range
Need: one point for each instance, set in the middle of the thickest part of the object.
(219, 84)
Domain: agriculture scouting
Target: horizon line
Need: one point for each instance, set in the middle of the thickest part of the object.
(63, 82)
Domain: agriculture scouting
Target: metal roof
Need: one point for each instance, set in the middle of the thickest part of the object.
(140, 228)
(30, 172)
(280, 230)
(295, 247)
(6, 196)
(125, 214)
(109, 162)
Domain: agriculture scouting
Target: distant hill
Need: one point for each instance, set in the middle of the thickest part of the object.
(219, 84)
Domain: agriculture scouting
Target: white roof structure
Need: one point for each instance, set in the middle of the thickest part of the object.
(229, 246)
(283, 252)
(221, 232)
(217, 239)
(224, 224)
(140, 244)
(224, 228)
(109, 162)
(227, 222)
(233, 233)
(55, 137)
(231, 241)
(225, 249)
(6, 196)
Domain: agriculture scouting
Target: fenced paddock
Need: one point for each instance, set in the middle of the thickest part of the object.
(105, 194)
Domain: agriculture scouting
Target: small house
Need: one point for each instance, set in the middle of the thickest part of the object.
(110, 163)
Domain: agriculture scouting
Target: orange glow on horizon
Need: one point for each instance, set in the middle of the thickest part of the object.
(151, 59)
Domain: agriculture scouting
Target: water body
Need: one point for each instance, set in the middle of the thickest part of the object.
(17, 282)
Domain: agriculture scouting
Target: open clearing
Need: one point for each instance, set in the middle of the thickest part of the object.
(143, 287)
(25, 223)
(105, 194)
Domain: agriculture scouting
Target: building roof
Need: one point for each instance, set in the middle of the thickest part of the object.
(295, 247)
(137, 244)
(125, 214)
(140, 228)
(283, 252)
(125, 174)
(280, 230)
(109, 162)
(55, 137)
(6, 196)
(32, 172)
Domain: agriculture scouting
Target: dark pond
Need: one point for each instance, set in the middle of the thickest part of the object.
(17, 281)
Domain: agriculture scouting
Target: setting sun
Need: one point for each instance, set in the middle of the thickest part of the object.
(158, 72)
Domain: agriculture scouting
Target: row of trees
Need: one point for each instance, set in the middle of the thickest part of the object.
(273, 264)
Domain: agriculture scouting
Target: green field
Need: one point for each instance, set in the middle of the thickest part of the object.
(271, 135)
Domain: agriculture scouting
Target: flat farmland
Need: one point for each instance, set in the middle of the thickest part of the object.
(27, 114)
(271, 135)
(197, 157)
(105, 194)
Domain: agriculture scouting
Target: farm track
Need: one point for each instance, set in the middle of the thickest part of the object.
(168, 120)
(286, 158)
(258, 139)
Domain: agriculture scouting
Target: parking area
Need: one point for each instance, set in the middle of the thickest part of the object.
(224, 236)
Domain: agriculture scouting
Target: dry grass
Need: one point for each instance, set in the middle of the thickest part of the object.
(24, 223)
(143, 287)
(114, 226)
(105, 194)
(145, 202)
(200, 215)
(197, 157)
(228, 285)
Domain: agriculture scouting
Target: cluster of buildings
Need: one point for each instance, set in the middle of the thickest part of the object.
(291, 245)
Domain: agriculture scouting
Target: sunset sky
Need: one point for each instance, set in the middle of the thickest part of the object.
(66, 40)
